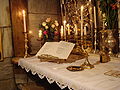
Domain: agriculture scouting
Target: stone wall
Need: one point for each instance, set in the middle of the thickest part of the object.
(5, 26)
(38, 11)
(6, 68)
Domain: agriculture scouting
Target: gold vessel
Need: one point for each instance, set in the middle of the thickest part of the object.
(110, 42)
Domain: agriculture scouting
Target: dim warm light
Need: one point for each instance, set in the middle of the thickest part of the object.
(40, 34)
(23, 11)
(82, 8)
(30, 32)
(64, 22)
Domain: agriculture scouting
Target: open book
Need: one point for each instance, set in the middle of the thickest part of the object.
(60, 50)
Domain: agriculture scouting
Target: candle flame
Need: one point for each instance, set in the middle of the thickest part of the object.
(40, 33)
(82, 7)
(64, 21)
(67, 25)
(30, 32)
(23, 11)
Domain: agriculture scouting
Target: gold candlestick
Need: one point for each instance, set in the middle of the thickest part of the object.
(26, 44)
(86, 64)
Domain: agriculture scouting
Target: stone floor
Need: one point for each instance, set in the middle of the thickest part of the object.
(30, 86)
(27, 81)
(6, 75)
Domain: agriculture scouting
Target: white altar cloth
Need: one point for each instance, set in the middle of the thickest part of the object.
(89, 79)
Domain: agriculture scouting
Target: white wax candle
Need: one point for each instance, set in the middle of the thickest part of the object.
(40, 34)
(62, 1)
(62, 31)
(82, 20)
(95, 17)
(64, 23)
(24, 20)
(76, 31)
(68, 26)
(85, 31)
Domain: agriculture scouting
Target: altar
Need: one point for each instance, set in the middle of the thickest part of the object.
(88, 79)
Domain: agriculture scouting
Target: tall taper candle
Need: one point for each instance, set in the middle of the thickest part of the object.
(82, 21)
(76, 31)
(64, 23)
(62, 1)
(85, 31)
(95, 17)
(24, 20)
(68, 28)
(61, 32)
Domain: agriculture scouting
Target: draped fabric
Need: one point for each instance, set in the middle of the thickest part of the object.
(89, 79)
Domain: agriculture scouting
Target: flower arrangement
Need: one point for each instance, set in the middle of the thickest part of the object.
(109, 10)
(49, 28)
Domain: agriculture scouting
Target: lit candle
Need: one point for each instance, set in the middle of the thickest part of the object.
(82, 20)
(76, 31)
(30, 32)
(64, 23)
(62, 1)
(24, 20)
(61, 32)
(40, 34)
(95, 17)
(90, 1)
(68, 26)
(85, 32)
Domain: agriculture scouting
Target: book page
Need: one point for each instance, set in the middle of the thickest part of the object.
(64, 49)
(60, 49)
(48, 48)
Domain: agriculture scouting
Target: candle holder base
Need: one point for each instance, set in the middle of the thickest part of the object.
(87, 65)
(26, 55)
(95, 51)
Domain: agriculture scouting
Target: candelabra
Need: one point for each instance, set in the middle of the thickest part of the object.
(26, 44)
(80, 13)
(86, 64)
